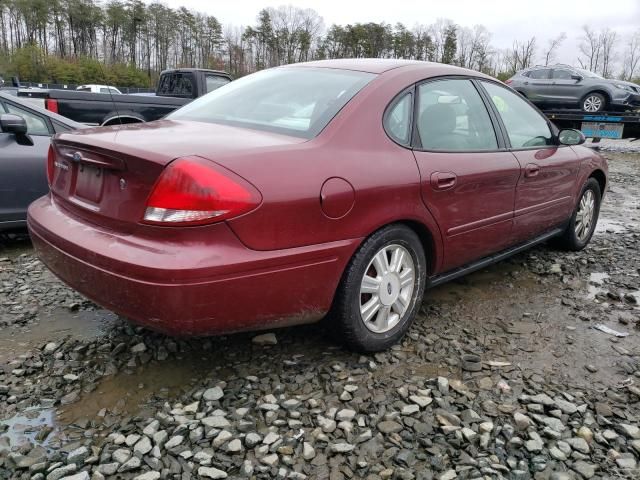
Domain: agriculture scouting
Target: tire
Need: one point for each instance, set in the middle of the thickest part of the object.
(593, 102)
(402, 248)
(572, 239)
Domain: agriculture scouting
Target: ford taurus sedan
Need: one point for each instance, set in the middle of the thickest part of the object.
(340, 188)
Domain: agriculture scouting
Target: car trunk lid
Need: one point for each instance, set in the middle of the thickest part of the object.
(107, 174)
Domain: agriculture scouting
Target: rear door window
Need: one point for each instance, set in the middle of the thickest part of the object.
(540, 74)
(452, 116)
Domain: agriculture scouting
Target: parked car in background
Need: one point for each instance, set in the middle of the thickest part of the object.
(98, 89)
(569, 87)
(339, 187)
(25, 135)
(175, 88)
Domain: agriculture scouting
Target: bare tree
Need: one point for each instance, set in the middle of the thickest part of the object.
(591, 49)
(608, 39)
(552, 46)
(521, 55)
(631, 57)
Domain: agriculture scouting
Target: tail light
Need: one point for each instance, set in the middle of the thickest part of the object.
(195, 191)
(508, 81)
(51, 160)
(51, 105)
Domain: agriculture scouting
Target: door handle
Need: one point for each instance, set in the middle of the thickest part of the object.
(443, 180)
(531, 170)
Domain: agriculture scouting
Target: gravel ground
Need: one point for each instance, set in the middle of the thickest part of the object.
(503, 375)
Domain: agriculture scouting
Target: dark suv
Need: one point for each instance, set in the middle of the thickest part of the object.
(565, 86)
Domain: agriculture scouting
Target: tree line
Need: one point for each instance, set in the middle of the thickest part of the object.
(128, 42)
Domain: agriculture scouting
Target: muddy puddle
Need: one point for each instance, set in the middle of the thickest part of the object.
(36, 425)
(53, 326)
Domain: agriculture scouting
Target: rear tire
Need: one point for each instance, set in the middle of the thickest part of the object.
(584, 219)
(593, 102)
(381, 290)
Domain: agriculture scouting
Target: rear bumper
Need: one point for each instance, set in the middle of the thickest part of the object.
(192, 281)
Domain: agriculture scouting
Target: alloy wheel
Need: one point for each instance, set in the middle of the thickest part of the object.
(585, 214)
(386, 288)
(592, 103)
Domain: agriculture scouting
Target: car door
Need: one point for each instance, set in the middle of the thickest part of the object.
(538, 85)
(567, 87)
(549, 171)
(23, 168)
(468, 177)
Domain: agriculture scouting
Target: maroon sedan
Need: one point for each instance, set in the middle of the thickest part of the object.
(339, 187)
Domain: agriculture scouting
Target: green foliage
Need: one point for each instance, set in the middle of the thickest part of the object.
(31, 64)
(450, 45)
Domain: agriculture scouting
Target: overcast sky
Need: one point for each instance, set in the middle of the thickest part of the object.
(507, 20)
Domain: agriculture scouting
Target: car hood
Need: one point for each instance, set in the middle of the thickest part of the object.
(165, 140)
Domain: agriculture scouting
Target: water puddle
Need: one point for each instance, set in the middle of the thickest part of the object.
(34, 425)
(127, 394)
(55, 325)
(595, 284)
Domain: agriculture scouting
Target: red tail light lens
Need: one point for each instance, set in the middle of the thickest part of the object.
(51, 160)
(51, 105)
(508, 81)
(195, 191)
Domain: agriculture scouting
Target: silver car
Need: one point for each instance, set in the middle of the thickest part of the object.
(25, 135)
(569, 87)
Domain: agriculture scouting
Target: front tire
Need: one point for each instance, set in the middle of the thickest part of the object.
(593, 102)
(381, 290)
(584, 218)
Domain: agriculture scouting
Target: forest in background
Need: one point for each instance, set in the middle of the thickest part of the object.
(128, 42)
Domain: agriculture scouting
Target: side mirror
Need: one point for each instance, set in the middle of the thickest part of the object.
(576, 77)
(10, 123)
(569, 136)
(17, 125)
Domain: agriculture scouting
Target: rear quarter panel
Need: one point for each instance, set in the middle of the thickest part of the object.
(355, 147)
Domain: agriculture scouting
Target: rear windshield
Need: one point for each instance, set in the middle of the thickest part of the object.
(293, 101)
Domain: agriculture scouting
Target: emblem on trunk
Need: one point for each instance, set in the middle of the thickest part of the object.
(123, 184)
(76, 157)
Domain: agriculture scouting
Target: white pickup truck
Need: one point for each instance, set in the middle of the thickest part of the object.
(99, 89)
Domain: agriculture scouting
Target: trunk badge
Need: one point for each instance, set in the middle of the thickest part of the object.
(77, 157)
(123, 184)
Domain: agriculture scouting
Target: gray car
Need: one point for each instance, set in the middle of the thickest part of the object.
(25, 134)
(569, 87)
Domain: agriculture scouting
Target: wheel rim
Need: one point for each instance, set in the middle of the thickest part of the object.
(387, 288)
(592, 104)
(585, 215)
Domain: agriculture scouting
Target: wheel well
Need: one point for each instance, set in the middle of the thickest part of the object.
(601, 178)
(121, 121)
(426, 238)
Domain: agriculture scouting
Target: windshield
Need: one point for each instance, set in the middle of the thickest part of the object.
(293, 101)
(587, 73)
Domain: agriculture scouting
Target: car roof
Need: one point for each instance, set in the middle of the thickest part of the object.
(370, 65)
(54, 116)
(95, 85)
